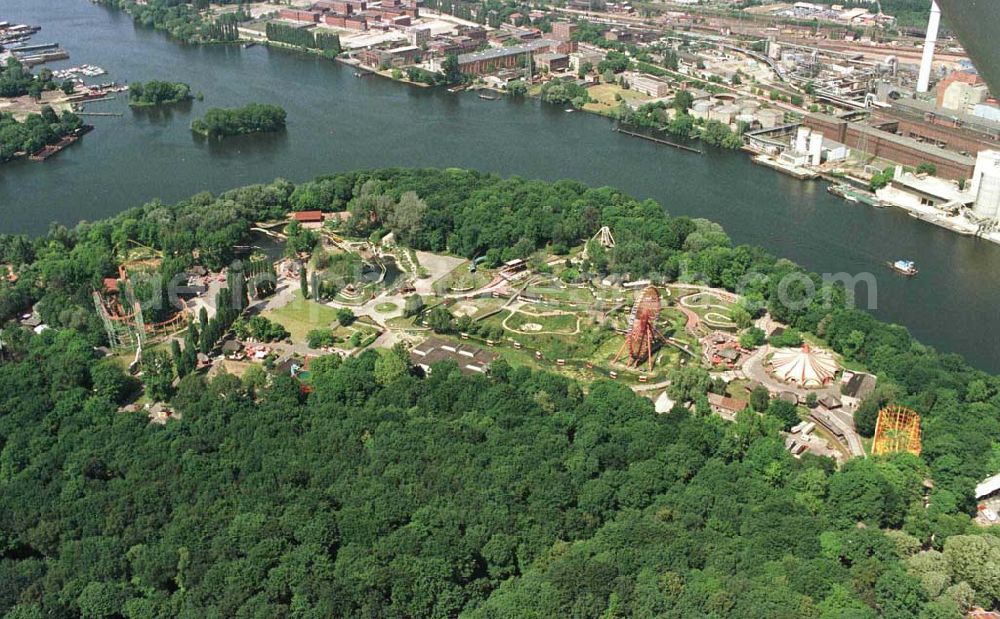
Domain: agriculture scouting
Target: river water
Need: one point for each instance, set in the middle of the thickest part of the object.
(339, 122)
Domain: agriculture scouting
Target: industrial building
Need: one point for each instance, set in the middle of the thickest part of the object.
(985, 186)
(874, 142)
(495, 59)
(648, 85)
(470, 359)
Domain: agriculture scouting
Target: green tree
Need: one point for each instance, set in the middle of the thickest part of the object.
(760, 399)
(412, 305)
(440, 320)
(451, 70)
(157, 374)
(392, 365)
(687, 382)
(752, 338)
(345, 316)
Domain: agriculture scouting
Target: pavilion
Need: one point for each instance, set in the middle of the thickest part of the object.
(805, 366)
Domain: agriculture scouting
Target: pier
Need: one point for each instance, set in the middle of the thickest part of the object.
(658, 140)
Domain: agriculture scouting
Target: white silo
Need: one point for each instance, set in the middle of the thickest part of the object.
(985, 184)
(816, 148)
(802, 139)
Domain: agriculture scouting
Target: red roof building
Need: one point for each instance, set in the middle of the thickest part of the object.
(308, 216)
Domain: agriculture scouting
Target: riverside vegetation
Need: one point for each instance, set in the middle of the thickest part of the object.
(155, 92)
(251, 118)
(384, 493)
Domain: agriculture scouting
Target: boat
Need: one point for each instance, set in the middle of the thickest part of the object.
(569, 110)
(854, 195)
(487, 97)
(904, 267)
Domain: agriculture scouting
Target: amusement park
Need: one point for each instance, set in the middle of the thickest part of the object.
(304, 288)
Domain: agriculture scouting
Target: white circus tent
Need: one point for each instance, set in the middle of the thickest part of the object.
(804, 366)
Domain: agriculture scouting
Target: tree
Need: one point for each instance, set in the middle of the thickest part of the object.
(440, 320)
(157, 374)
(407, 217)
(451, 70)
(975, 559)
(760, 399)
(303, 281)
(412, 305)
(392, 365)
(785, 411)
(100, 599)
(687, 382)
(752, 338)
(111, 382)
(68, 87)
(683, 101)
(345, 316)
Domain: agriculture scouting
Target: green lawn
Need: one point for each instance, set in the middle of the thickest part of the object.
(562, 323)
(301, 316)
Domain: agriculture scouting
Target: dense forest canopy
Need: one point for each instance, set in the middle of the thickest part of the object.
(516, 494)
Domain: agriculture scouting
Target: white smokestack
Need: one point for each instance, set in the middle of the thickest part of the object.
(923, 80)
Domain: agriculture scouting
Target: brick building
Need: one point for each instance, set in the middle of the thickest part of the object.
(876, 142)
(299, 15)
(563, 30)
(386, 58)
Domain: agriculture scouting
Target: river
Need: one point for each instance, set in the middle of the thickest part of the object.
(339, 122)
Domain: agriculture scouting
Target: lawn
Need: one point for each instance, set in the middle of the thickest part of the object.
(300, 317)
(561, 323)
(460, 279)
(569, 294)
(603, 97)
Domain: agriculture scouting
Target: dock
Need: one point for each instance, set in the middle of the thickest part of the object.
(34, 48)
(658, 140)
(795, 171)
(65, 141)
(99, 114)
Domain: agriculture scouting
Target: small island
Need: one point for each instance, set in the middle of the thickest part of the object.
(155, 93)
(251, 118)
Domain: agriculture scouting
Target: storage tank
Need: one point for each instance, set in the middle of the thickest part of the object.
(986, 184)
(701, 109)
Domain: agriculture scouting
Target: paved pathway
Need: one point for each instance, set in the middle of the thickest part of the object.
(754, 369)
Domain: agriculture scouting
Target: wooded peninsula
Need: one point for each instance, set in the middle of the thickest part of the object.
(386, 491)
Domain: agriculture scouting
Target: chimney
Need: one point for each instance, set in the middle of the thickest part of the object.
(923, 80)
